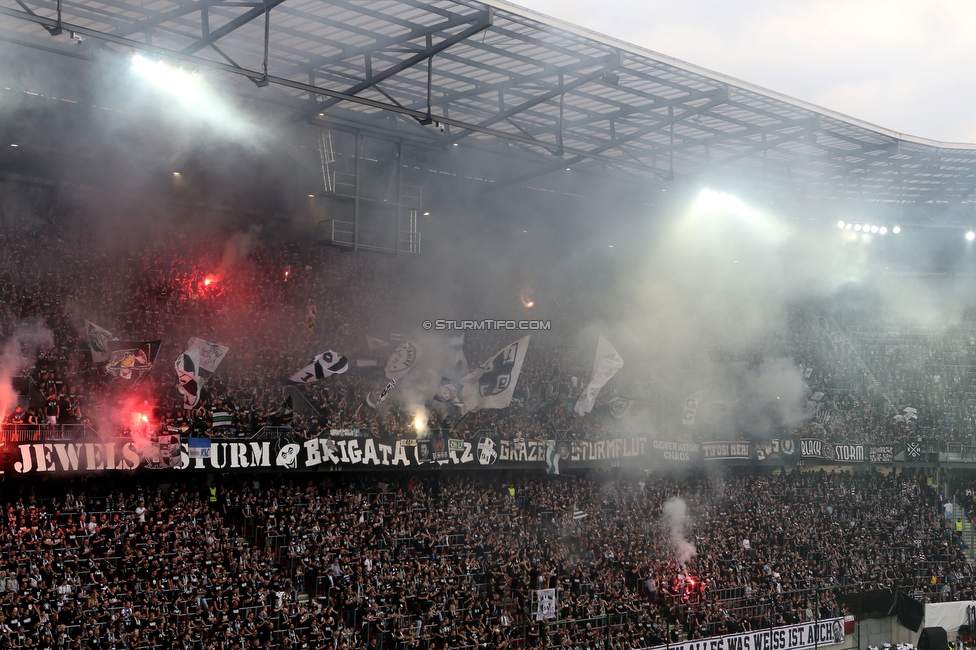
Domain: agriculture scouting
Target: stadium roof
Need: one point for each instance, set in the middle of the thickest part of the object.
(492, 75)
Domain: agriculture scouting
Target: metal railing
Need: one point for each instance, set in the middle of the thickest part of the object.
(47, 432)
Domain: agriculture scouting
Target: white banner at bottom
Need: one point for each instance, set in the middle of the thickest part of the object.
(817, 634)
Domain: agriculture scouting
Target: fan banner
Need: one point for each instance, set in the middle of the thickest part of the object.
(815, 634)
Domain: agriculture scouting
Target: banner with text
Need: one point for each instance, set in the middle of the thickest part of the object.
(817, 634)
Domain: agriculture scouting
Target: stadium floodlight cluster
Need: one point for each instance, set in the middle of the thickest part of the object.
(882, 230)
(871, 228)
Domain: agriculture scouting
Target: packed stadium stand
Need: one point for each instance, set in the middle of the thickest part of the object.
(445, 558)
(231, 418)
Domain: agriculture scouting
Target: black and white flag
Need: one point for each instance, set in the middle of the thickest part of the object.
(130, 361)
(607, 363)
(211, 354)
(373, 401)
(403, 359)
(492, 384)
(187, 371)
(98, 338)
(324, 365)
(619, 406)
(909, 414)
(691, 408)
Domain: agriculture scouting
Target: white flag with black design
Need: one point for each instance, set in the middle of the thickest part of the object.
(373, 401)
(403, 359)
(187, 371)
(492, 384)
(98, 338)
(607, 363)
(325, 365)
(908, 415)
(619, 406)
(211, 354)
(691, 408)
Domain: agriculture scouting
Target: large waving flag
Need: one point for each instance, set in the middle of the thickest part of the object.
(449, 391)
(373, 401)
(131, 361)
(324, 365)
(211, 354)
(98, 339)
(492, 384)
(607, 363)
(187, 370)
(403, 359)
(619, 406)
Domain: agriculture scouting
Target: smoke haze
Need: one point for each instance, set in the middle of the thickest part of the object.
(695, 287)
(18, 352)
(675, 512)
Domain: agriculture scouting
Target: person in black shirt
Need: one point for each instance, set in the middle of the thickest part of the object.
(52, 409)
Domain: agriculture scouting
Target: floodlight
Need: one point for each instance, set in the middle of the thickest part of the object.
(874, 229)
(848, 226)
(883, 230)
(840, 224)
(857, 227)
(971, 235)
(896, 229)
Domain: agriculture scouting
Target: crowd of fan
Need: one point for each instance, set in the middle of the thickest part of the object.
(260, 303)
(452, 560)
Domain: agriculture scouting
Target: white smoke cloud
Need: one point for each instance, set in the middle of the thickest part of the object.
(18, 352)
(236, 249)
(675, 513)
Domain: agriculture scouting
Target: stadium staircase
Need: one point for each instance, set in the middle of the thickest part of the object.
(959, 514)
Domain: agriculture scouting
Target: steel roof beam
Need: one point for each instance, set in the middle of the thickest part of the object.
(378, 44)
(149, 23)
(229, 27)
(484, 22)
(613, 144)
(556, 92)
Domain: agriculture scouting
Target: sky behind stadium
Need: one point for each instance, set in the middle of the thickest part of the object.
(906, 65)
